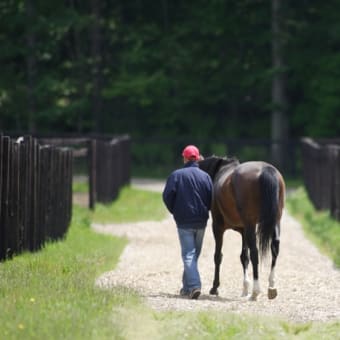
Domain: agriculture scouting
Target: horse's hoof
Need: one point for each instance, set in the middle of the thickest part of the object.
(245, 290)
(213, 291)
(253, 297)
(272, 293)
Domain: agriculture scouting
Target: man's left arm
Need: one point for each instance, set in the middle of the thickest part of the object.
(169, 194)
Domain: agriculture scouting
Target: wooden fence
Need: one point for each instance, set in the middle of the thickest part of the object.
(107, 163)
(109, 168)
(35, 194)
(321, 173)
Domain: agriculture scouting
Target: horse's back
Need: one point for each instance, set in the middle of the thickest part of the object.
(252, 168)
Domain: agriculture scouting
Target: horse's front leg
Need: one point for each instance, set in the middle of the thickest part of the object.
(275, 247)
(218, 235)
(254, 257)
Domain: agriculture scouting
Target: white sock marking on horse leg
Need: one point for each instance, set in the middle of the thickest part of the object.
(256, 290)
(246, 283)
(256, 287)
(272, 278)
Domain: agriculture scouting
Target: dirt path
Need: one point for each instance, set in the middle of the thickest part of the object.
(308, 285)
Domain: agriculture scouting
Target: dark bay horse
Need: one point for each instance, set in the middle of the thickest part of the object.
(248, 198)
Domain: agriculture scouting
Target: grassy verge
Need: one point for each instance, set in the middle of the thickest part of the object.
(51, 294)
(133, 205)
(319, 226)
(80, 186)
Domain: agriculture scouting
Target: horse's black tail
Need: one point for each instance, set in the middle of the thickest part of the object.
(269, 188)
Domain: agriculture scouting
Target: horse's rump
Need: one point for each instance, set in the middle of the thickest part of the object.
(252, 196)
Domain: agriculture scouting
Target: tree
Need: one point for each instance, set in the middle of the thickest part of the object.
(171, 67)
(280, 103)
(31, 64)
(96, 54)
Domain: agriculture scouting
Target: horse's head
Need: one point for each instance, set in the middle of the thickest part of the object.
(212, 164)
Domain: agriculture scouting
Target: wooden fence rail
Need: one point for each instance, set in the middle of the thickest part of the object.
(112, 167)
(35, 194)
(108, 163)
(321, 173)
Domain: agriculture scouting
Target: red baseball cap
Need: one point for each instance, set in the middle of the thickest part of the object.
(191, 152)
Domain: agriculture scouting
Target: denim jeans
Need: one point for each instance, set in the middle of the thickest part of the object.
(191, 244)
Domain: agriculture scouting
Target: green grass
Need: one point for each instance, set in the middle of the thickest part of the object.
(51, 294)
(133, 205)
(81, 187)
(323, 230)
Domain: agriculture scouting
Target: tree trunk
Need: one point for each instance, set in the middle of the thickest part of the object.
(77, 55)
(97, 105)
(30, 66)
(279, 114)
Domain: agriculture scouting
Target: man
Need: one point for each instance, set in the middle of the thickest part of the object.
(187, 195)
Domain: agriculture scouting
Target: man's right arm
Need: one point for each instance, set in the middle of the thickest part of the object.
(210, 191)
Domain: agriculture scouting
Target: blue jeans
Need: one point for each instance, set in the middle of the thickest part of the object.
(191, 244)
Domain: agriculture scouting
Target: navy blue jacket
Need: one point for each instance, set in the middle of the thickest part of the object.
(187, 195)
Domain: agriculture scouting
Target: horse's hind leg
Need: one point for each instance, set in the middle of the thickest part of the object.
(275, 247)
(250, 237)
(218, 235)
(245, 261)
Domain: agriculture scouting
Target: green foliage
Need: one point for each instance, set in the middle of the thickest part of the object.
(313, 33)
(168, 68)
(321, 228)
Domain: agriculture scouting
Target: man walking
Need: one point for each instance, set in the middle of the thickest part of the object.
(187, 195)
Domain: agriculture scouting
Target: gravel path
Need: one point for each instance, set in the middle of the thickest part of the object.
(308, 284)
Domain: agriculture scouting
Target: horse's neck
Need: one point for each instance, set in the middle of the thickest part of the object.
(223, 173)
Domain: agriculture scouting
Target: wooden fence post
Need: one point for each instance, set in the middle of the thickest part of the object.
(35, 223)
(336, 187)
(68, 161)
(92, 163)
(334, 170)
(1, 176)
(42, 195)
(5, 197)
(27, 168)
(324, 178)
(114, 168)
(13, 245)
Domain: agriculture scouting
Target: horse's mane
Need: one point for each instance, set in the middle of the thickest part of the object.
(228, 160)
(213, 164)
